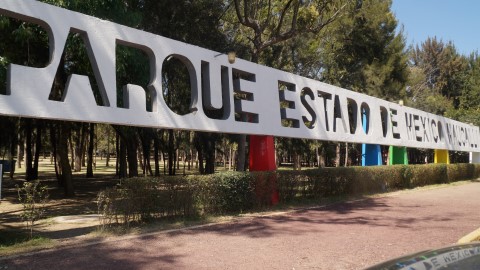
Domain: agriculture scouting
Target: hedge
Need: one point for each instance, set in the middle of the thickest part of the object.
(141, 199)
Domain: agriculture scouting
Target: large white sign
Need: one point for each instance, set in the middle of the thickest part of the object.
(315, 110)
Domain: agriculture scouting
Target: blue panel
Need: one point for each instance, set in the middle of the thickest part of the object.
(371, 153)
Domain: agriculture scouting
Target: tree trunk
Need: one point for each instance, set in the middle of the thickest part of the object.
(90, 151)
(171, 158)
(38, 149)
(177, 154)
(209, 142)
(241, 140)
(297, 161)
(141, 161)
(67, 179)
(156, 156)
(53, 141)
(200, 162)
(337, 155)
(146, 139)
(346, 154)
(184, 159)
(164, 164)
(122, 160)
(20, 150)
(79, 141)
(132, 156)
(196, 160)
(107, 158)
(28, 150)
(129, 143)
(230, 158)
(190, 160)
(13, 145)
(72, 161)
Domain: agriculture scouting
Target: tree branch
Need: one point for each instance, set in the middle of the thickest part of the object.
(330, 20)
(237, 10)
(282, 17)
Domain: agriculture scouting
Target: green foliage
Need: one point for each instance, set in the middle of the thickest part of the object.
(363, 52)
(469, 111)
(263, 29)
(422, 175)
(141, 199)
(439, 73)
(223, 193)
(33, 197)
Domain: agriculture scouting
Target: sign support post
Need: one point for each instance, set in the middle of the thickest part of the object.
(262, 159)
(397, 155)
(474, 157)
(441, 156)
(371, 153)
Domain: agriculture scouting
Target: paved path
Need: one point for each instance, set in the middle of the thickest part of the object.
(344, 236)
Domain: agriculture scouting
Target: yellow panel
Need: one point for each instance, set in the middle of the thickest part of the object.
(441, 156)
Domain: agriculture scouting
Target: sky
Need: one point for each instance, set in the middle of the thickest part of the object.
(449, 20)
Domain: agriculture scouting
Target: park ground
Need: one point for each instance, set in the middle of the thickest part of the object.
(345, 235)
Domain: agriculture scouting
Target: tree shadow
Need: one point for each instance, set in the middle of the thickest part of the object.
(365, 212)
(98, 256)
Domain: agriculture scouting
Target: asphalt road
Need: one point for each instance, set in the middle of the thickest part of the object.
(349, 235)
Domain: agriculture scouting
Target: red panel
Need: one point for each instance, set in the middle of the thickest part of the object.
(262, 158)
(262, 153)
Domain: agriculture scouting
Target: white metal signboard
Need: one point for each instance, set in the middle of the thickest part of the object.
(316, 110)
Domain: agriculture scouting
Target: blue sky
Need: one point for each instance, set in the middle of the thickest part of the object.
(449, 20)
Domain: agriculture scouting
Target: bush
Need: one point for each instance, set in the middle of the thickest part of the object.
(33, 197)
(224, 192)
(141, 199)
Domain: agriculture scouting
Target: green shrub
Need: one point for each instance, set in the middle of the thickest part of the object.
(461, 171)
(428, 174)
(33, 196)
(141, 199)
(224, 192)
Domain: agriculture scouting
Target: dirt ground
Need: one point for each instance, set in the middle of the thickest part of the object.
(65, 218)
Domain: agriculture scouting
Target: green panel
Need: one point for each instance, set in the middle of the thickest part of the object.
(397, 155)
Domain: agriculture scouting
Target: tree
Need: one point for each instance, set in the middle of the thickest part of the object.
(91, 142)
(469, 100)
(363, 52)
(194, 22)
(264, 25)
(438, 76)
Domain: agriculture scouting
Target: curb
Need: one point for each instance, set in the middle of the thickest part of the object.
(471, 237)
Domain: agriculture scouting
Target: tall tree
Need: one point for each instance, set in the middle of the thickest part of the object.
(363, 52)
(194, 22)
(264, 26)
(469, 100)
(439, 74)
(91, 142)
